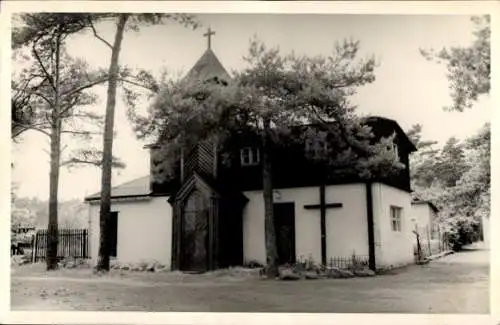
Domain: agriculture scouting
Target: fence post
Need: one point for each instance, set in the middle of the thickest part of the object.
(84, 243)
(441, 248)
(33, 248)
(428, 240)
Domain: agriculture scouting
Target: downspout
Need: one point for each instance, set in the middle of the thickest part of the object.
(322, 202)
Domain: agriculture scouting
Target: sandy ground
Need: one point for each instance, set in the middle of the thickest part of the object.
(457, 283)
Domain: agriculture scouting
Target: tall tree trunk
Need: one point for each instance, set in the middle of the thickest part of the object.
(55, 155)
(105, 208)
(270, 234)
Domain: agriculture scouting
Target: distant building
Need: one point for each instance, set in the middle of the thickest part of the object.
(424, 218)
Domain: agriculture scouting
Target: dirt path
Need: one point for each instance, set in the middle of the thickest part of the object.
(457, 283)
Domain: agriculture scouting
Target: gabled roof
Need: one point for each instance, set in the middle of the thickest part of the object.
(385, 124)
(134, 188)
(219, 188)
(208, 67)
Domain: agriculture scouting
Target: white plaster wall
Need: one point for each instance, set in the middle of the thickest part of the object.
(144, 230)
(424, 217)
(392, 247)
(346, 226)
(422, 214)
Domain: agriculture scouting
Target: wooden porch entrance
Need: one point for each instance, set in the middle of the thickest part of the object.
(194, 237)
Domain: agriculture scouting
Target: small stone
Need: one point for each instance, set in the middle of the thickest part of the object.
(70, 265)
(364, 273)
(288, 274)
(310, 275)
(346, 274)
(336, 273)
(255, 265)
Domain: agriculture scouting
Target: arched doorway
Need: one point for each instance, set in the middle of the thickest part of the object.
(194, 245)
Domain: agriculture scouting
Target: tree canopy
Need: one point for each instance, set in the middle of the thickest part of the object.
(290, 90)
(469, 68)
(456, 178)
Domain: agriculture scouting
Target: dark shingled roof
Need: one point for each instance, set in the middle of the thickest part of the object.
(208, 67)
(134, 188)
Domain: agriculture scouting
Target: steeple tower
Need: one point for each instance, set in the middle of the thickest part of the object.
(208, 66)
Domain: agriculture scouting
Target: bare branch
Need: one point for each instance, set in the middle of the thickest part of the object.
(86, 86)
(42, 96)
(64, 148)
(38, 125)
(134, 83)
(66, 108)
(41, 130)
(99, 37)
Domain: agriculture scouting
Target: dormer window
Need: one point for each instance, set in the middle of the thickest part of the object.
(316, 148)
(249, 156)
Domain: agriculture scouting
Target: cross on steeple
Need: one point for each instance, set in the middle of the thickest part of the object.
(209, 35)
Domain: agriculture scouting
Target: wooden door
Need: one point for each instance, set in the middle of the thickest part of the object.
(113, 233)
(284, 226)
(194, 248)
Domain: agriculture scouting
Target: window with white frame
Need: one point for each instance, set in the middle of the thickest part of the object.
(396, 218)
(249, 156)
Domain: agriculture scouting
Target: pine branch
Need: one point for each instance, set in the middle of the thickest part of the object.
(116, 163)
(74, 161)
(81, 132)
(47, 74)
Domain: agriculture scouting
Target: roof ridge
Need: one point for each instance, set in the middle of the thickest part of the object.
(130, 181)
(119, 186)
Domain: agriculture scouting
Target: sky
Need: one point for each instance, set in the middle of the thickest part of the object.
(407, 88)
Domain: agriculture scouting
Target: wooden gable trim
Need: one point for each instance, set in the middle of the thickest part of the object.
(204, 185)
(195, 181)
(318, 206)
(185, 189)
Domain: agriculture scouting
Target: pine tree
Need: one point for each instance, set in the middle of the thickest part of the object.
(269, 98)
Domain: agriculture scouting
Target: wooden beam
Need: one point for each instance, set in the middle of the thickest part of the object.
(323, 223)
(318, 206)
(371, 234)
